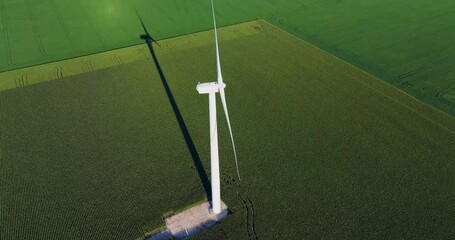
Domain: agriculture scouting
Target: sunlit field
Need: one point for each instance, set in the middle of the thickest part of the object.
(103, 147)
(405, 43)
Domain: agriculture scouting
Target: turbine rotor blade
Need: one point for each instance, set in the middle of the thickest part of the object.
(223, 102)
(218, 64)
(222, 86)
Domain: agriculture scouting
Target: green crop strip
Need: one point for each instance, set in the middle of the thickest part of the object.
(406, 43)
(326, 150)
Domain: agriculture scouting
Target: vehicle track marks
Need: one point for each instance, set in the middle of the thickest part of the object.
(90, 23)
(119, 24)
(35, 29)
(59, 72)
(64, 27)
(440, 94)
(410, 73)
(118, 60)
(87, 67)
(21, 81)
(5, 32)
(145, 52)
(248, 206)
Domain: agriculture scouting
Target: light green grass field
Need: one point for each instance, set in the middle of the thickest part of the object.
(406, 43)
(326, 150)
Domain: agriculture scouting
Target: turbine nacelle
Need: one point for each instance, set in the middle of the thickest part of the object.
(209, 87)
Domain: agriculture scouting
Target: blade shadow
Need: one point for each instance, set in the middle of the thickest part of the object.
(186, 135)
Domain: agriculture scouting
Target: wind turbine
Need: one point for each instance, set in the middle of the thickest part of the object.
(211, 88)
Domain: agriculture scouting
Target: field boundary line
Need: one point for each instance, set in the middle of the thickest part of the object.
(70, 67)
(409, 108)
(383, 82)
(80, 53)
(206, 38)
(93, 62)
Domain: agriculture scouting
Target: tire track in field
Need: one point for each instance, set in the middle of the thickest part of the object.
(64, 27)
(87, 67)
(35, 29)
(435, 63)
(406, 84)
(144, 53)
(118, 60)
(90, 23)
(440, 95)
(5, 32)
(413, 72)
(58, 72)
(248, 206)
(119, 23)
(121, 26)
(21, 81)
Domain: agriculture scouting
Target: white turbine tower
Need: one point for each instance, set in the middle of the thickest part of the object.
(211, 88)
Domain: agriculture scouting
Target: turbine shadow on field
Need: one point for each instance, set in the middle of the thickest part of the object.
(189, 141)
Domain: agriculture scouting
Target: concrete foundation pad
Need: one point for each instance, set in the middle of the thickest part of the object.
(191, 221)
